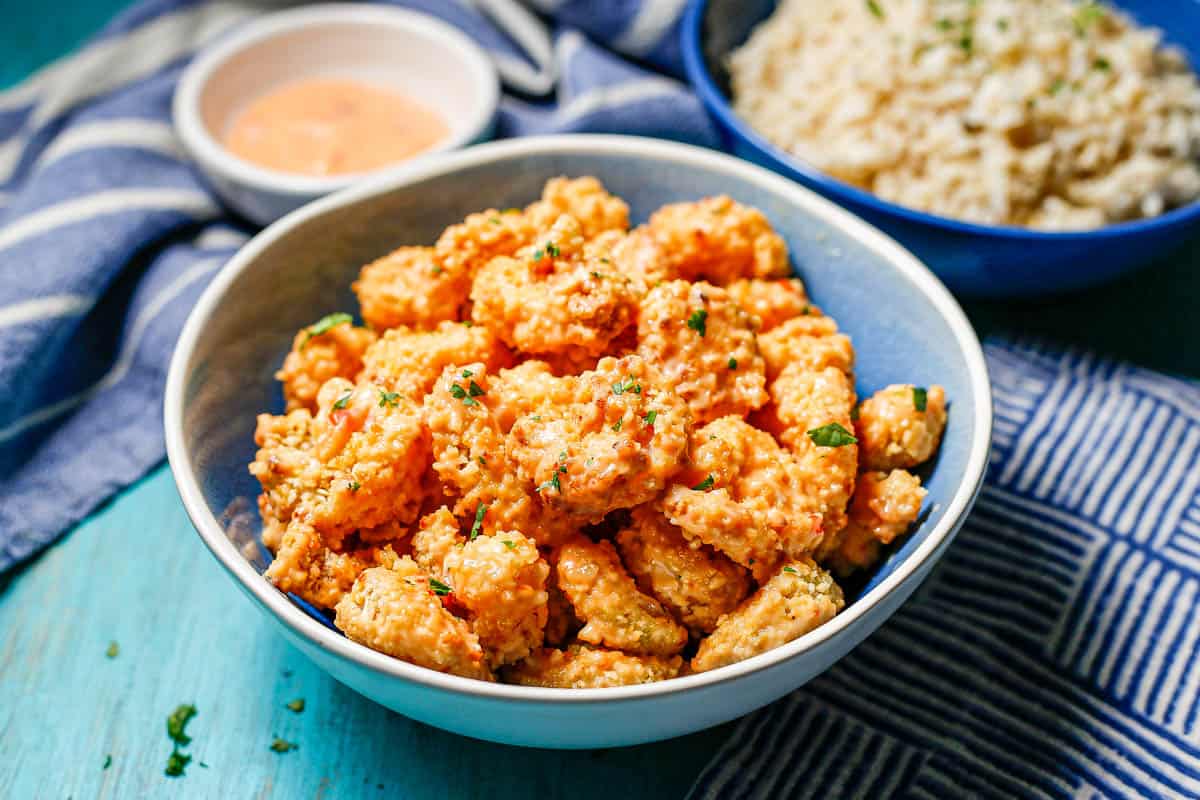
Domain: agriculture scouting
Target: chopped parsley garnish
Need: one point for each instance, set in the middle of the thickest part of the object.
(283, 745)
(650, 417)
(554, 482)
(107, 761)
(388, 399)
(704, 485)
(494, 220)
(477, 528)
(538, 254)
(113, 650)
(482, 461)
(1002, 24)
(597, 276)
(536, 418)
(920, 398)
(508, 543)
(732, 363)
(466, 373)
(296, 705)
(944, 24)
(355, 486)
(470, 323)
(341, 402)
(831, 435)
(854, 413)
(439, 588)
(1058, 85)
(627, 385)
(474, 389)
(966, 43)
(176, 763)
(804, 312)
(324, 325)
(697, 321)
(176, 723)
(616, 426)
(459, 393)
(552, 249)
(791, 570)
(874, 8)
(1102, 64)
(1086, 16)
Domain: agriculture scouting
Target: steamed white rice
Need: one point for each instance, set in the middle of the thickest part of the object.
(1049, 114)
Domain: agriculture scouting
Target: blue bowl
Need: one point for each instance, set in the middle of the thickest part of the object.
(974, 260)
(906, 325)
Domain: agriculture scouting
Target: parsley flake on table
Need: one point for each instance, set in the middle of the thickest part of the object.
(283, 745)
(698, 321)
(107, 761)
(177, 722)
(296, 705)
(176, 764)
(920, 398)
(341, 402)
(831, 435)
(439, 588)
(388, 399)
(704, 485)
(324, 325)
(113, 650)
(477, 528)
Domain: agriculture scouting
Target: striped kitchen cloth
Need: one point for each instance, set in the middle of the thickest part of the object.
(1055, 651)
(107, 235)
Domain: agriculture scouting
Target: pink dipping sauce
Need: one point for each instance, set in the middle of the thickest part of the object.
(332, 126)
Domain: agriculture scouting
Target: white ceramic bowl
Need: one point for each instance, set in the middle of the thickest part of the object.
(903, 321)
(410, 52)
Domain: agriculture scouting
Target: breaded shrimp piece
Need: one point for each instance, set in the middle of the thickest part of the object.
(304, 566)
(336, 352)
(408, 287)
(893, 432)
(409, 361)
(704, 345)
(590, 668)
(524, 389)
(773, 302)
(697, 584)
(501, 580)
(551, 300)
(373, 451)
(471, 457)
(718, 240)
(395, 611)
(586, 200)
(639, 256)
(808, 404)
(799, 597)
(561, 622)
(286, 468)
(811, 340)
(743, 495)
(614, 612)
(437, 534)
(615, 445)
(885, 506)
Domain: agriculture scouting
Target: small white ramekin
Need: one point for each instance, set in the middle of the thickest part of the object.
(410, 52)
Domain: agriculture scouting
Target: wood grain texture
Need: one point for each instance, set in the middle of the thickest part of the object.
(136, 573)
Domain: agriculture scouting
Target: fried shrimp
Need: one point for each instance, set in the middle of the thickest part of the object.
(697, 584)
(307, 568)
(614, 445)
(810, 340)
(319, 353)
(772, 302)
(718, 240)
(614, 611)
(901, 426)
(586, 200)
(704, 345)
(396, 611)
(285, 467)
(743, 495)
(409, 288)
(580, 667)
(552, 299)
(408, 361)
(799, 597)
(885, 505)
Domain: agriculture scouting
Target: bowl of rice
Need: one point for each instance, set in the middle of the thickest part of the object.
(1019, 147)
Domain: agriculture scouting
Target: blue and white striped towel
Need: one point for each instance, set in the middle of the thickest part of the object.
(1055, 651)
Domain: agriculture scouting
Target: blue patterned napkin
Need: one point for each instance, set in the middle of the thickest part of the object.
(1054, 651)
(107, 235)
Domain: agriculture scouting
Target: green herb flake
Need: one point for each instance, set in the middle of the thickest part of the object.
(324, 325)
(536, 418)
(296, 705)
(177, 722)
(791, 570)
(698, 321)
(107, 761)
(1002, 24)
(355, 486)
(553, 483)
(474, 390)
(1056, 87)
(538, 254)
(459, 393)
(553, 250)
(482, 461)
(967, 43)
(388, 399)
(283, 745)
(650, 417)
(494, 220)
(341, 402)
(874, 8)
(854, 413)
(804, 312)
(470, 323)
(627, 385)
(439, 588)
(511, 545)
(1087, 15)
(616, 426)
(732, 363)
(466, 373)
(113, 650)
(920, 398)
(831, 435)
(1102, 64)
(943, 24)
(704, 485)
(176, 764)
(477, 528)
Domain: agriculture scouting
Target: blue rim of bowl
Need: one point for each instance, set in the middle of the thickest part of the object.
(715, 101)
(304, 626)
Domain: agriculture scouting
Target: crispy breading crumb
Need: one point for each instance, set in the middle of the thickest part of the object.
(590, 668)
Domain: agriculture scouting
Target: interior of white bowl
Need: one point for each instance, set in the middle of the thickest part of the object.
(904, 324)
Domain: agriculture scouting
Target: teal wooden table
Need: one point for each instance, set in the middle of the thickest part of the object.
(82, 718)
